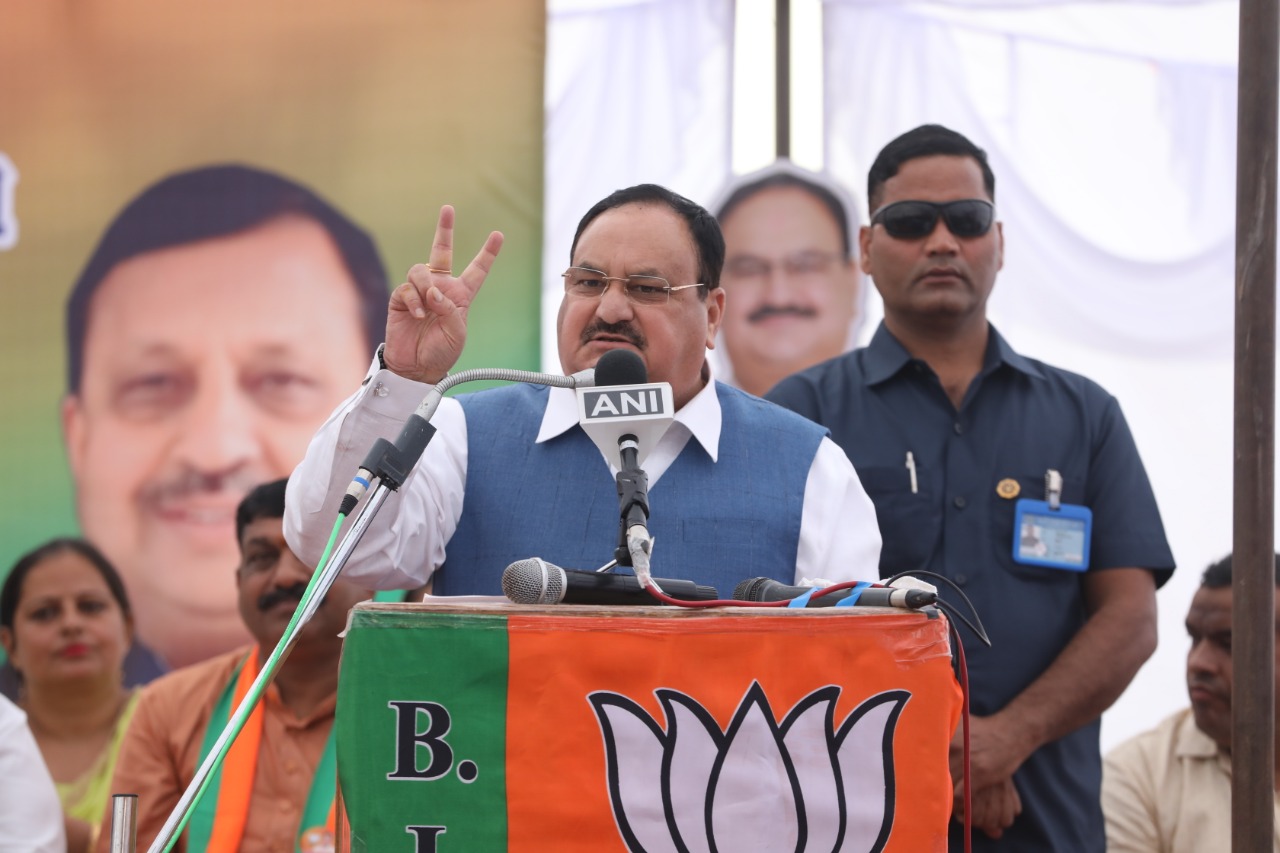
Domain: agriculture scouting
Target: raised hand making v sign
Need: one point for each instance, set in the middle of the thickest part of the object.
(427, 316)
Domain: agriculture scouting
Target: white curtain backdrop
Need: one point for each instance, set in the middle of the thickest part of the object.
(1111, 130)
(637, 91)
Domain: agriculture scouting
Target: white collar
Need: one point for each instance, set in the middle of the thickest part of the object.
(700, 417)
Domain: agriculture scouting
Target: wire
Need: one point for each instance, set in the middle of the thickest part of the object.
(734, 602)
(662, 597)
(963, 668)
(975, 626)
(962, 675)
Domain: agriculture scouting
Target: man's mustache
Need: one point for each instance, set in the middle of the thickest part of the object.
(766, 311)
(626, 331)
(268, 600)
(189, 482)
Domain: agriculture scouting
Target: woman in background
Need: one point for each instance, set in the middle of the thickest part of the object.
(66, 624)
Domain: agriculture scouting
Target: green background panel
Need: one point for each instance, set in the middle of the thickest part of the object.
(387, 109)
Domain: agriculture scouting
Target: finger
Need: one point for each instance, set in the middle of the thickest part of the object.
(425, 280)
(1003, 818)
(442, 246)
(476, 272)
(450, 319)
(438, 302)
(407, 297)
(422, 279)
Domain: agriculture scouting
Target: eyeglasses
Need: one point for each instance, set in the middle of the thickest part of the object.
(585, 283)
(797, 265)
(911, 220)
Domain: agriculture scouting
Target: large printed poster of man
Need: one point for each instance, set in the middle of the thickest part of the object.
(793, 291)
(205, 209)
(224, 314)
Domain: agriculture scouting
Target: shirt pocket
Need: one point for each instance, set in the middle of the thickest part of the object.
(910, 522)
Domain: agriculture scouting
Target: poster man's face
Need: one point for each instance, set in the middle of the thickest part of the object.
(207, 368)
(791, 294)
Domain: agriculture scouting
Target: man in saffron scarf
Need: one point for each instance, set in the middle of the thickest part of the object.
(276, 787)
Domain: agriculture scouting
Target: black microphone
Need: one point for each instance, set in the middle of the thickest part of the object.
(768, 589)
(620, 367)
(535, 581)
(625, 414)
(621, 401)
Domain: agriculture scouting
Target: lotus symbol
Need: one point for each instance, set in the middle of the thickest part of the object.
(797, 785)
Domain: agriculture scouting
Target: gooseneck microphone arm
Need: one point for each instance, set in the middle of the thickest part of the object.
(390, 462)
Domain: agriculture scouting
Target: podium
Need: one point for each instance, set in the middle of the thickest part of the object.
(492, 727)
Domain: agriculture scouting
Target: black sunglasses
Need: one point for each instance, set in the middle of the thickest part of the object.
(911, 220)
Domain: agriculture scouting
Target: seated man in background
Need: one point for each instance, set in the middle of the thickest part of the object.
(277, 780)
(1168, 790)
(738, 487)
(793, 290)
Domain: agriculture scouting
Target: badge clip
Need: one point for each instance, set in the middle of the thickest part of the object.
(1053, 489)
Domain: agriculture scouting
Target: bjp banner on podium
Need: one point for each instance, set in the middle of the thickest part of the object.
(573, 728)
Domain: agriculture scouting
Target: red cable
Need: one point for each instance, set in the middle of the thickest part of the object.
(733, 602)
(964, 724)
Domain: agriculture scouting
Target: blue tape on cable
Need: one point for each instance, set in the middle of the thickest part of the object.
(803, 600)
(855, 593)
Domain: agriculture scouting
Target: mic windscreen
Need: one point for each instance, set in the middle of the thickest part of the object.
(620, 367)
(751, 589)
(531, 581)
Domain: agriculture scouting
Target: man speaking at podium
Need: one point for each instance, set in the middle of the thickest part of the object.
(739, 487)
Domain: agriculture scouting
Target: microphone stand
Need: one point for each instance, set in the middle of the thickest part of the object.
(389, 464)
(634, 542)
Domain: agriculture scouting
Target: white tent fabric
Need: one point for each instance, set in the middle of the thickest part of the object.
(636, 92)
(1111, 130)
(1113, 154)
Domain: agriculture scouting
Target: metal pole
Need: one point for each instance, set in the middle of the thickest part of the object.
(782, 77)
(124, 823)
(1253, 586)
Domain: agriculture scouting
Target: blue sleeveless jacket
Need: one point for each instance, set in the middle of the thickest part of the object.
(712, 523)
